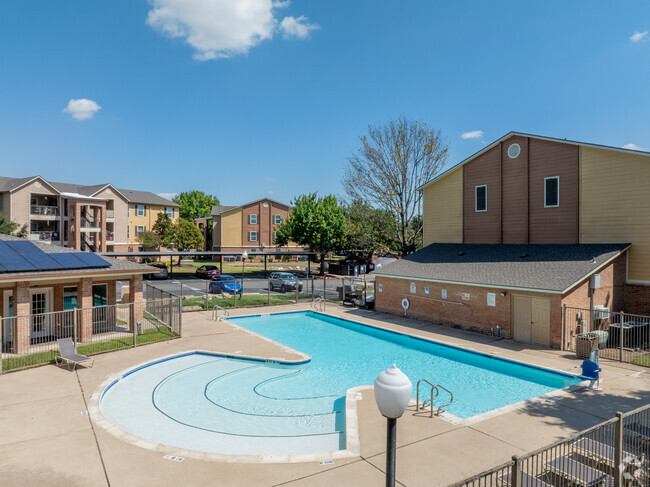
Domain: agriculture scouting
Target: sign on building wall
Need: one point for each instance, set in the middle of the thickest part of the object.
(379, 287)
(426, 289)
(444, 294)
(466, 296)
(491, 299)
(413, 289)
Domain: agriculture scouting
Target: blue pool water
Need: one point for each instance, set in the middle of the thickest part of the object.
(249, 407)
(347, 354)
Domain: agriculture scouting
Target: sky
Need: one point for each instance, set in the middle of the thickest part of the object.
(247, 99)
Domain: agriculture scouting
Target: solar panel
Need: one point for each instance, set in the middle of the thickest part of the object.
(12, 261)
(32, 254)
(68, 260)
(91, 260)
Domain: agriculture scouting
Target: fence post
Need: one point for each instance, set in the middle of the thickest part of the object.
(620, 336)
(2, 341)
(180, 317)
(207, 298)
(74, 327)
(268, 291)
(296, 289)
(564, 327)
(234, 293)
(181, 290)
(516, 474)
(618, 451)
(134, 315)
(312, 288)
(324, 292)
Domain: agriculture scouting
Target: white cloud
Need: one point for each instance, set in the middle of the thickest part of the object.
(223, 28)
(167, 196)
(82, 108)
(638, 36)
(474, 134)
(270, 193)
(634, 147)
(297, 27)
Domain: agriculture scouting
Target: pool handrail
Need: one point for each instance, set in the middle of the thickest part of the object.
(434, 387)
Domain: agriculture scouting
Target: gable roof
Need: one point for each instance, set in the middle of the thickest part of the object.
(218, 210)
(146, 197)
(532, 136)
(544, 268)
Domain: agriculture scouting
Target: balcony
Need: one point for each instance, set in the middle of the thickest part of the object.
(44, 236)
(110, 213)
(41, 210)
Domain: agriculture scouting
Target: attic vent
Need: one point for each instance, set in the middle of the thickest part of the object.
(513, 151)
(524, 255)
(461, 253)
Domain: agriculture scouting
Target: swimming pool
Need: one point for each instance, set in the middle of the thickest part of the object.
(252, 407)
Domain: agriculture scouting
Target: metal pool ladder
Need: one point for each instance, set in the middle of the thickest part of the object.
(436, 388)
(318, 304)
(215, 313)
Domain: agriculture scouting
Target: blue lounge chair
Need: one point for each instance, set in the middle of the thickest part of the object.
(591, 371)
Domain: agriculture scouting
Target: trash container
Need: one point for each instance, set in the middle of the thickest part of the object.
(585, 344)
(602, 336)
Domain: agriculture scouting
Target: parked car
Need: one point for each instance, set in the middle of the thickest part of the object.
(224, 284)
(284, 281)
(207, 272)
(160, 273)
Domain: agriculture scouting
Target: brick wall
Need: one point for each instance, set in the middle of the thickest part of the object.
(637, 299)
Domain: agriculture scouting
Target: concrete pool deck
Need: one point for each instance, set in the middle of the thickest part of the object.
(46, 436)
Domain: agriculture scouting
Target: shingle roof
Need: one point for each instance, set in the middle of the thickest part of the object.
(218, 210)
(553, 268)
(7, 184)
(146, 198)
(117, 265)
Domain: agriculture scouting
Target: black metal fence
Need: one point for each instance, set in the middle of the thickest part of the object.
(616, 335)
(613, 454)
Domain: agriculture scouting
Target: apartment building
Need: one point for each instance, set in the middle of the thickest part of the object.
(90, 218)
(520, 229)
(249, 227)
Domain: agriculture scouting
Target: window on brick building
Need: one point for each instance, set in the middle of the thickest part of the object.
(277, 219)
(252, 236)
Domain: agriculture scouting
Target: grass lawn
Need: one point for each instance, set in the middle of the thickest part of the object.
(148, 336)
(247, 301)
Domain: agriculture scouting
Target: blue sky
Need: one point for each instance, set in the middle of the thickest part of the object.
(269, 98)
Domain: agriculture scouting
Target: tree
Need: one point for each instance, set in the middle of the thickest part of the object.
(393, 162)
(368, 229)
(149, 240)
(7, 227)
(185, 235)
(163, 228)
(316, 223)
(195, 204)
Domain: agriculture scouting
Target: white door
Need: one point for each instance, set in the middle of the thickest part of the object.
(7, 321)
(41, 322)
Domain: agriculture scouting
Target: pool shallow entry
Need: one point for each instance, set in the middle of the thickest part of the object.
(236, 406)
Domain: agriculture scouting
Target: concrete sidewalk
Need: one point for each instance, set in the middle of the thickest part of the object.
(47, 438)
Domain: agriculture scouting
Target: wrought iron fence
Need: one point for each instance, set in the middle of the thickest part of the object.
(32, 339)
(617, 335)
(614, 454)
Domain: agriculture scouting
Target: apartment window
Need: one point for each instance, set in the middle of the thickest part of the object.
(252, 219)
(141, 210)
(552, 192)
(277, 219)
(252, 236)
(480, 200)
(139, 229)
(128, 211)
(170, 212)
(128, 232)
(69, 298)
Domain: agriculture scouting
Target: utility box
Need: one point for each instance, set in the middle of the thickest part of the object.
(595, 281)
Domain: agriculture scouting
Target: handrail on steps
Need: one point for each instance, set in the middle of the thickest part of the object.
(318, 304)
(434, 387)
(215, 313)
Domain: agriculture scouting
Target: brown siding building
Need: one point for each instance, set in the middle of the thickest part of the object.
(540, 193)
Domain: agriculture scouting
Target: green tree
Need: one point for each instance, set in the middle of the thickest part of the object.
(368, 229)
(316, 223)
(393, 162)
(149, 240)
(8, 227)
(185, 235)
(163, 228)
(195, 204)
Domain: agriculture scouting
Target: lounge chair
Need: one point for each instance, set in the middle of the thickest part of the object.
(579, 473)
(526, 481)
(600, 452)
(69, 354)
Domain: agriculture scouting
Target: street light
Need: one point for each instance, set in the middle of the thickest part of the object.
(244, 256)
(392, 394)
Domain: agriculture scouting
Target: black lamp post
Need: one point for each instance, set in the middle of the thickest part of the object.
(392, 394)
